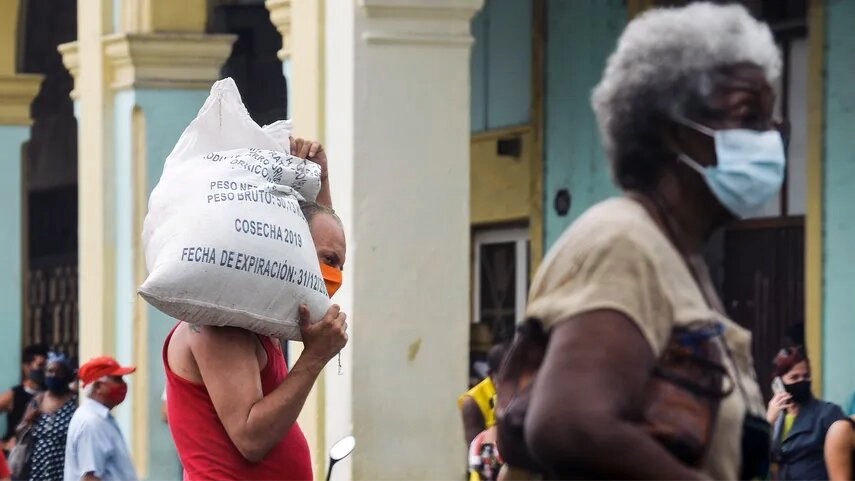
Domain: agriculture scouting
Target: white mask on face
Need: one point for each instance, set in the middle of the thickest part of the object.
(750, 168)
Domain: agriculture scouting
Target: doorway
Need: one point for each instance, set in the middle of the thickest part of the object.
(501, 263)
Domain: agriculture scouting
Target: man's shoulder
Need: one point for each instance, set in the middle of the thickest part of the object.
(217, 342)
(618, 223)
(85, 419)
(195, 334)
(191, 347)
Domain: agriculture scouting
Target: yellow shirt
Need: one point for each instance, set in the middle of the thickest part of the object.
(484, 394)
(616, 257)
(789, 420)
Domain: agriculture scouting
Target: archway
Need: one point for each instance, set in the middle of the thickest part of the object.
(50, 178)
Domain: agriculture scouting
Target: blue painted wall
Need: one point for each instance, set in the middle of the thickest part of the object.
(580, 36)
(501, 65)
(478, 72)
(839, 178)
(12, 137)
(167, 113)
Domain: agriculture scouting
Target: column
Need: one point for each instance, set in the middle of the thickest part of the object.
(159, 81)
(85, 60)
(397, 124)
(302, 25)
(280, 16)
(151, 86)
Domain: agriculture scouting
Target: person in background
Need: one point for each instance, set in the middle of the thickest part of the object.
(14, 401)
(685, 108)
(840, 450)
(95, 449)
(485, 462)
(477, 405)
(232, 402)
(480, 341)
(49, 415)
(5, 473)
(801, 422)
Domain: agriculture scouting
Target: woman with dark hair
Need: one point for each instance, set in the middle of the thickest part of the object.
(685, 111)
(48, 417)
(801, 422)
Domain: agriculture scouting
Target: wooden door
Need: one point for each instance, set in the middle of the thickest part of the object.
(764, 285)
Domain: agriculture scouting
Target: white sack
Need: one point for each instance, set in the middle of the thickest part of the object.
(281, 132)
(224, 238)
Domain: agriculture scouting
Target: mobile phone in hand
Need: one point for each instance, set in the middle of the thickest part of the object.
(778, 385)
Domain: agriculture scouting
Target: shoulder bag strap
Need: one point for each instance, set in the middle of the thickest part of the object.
(671, 232)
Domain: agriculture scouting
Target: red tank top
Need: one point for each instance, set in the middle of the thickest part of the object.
(205, 449)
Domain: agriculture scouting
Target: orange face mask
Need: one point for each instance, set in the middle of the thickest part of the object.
(332, 278)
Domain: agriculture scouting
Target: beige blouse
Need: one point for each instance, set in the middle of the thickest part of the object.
(616, 257)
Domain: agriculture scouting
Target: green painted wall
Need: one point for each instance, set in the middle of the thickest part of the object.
(839, 223)
(501, 64)
(11, 276)
(580, 36)
(166, 113)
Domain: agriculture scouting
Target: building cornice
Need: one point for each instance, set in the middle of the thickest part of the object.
(157, 60)
(16, 95)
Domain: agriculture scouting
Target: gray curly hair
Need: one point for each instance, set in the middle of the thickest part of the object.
(666, 64)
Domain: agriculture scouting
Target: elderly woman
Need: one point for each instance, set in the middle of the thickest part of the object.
(685, 110)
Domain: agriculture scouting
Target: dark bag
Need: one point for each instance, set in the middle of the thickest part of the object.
(684, 392)
(513, 393)
(19, 457)
(756, 444)
(681, 398)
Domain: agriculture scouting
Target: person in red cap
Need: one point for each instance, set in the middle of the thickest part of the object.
(96, 449)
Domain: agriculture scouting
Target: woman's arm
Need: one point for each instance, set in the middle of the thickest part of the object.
(838, 451)
(588, 392)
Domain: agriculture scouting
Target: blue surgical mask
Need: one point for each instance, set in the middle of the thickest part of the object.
(750, 168)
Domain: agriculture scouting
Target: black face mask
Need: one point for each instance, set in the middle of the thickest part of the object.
(799, 391)
(57, 384)
(37, 376)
